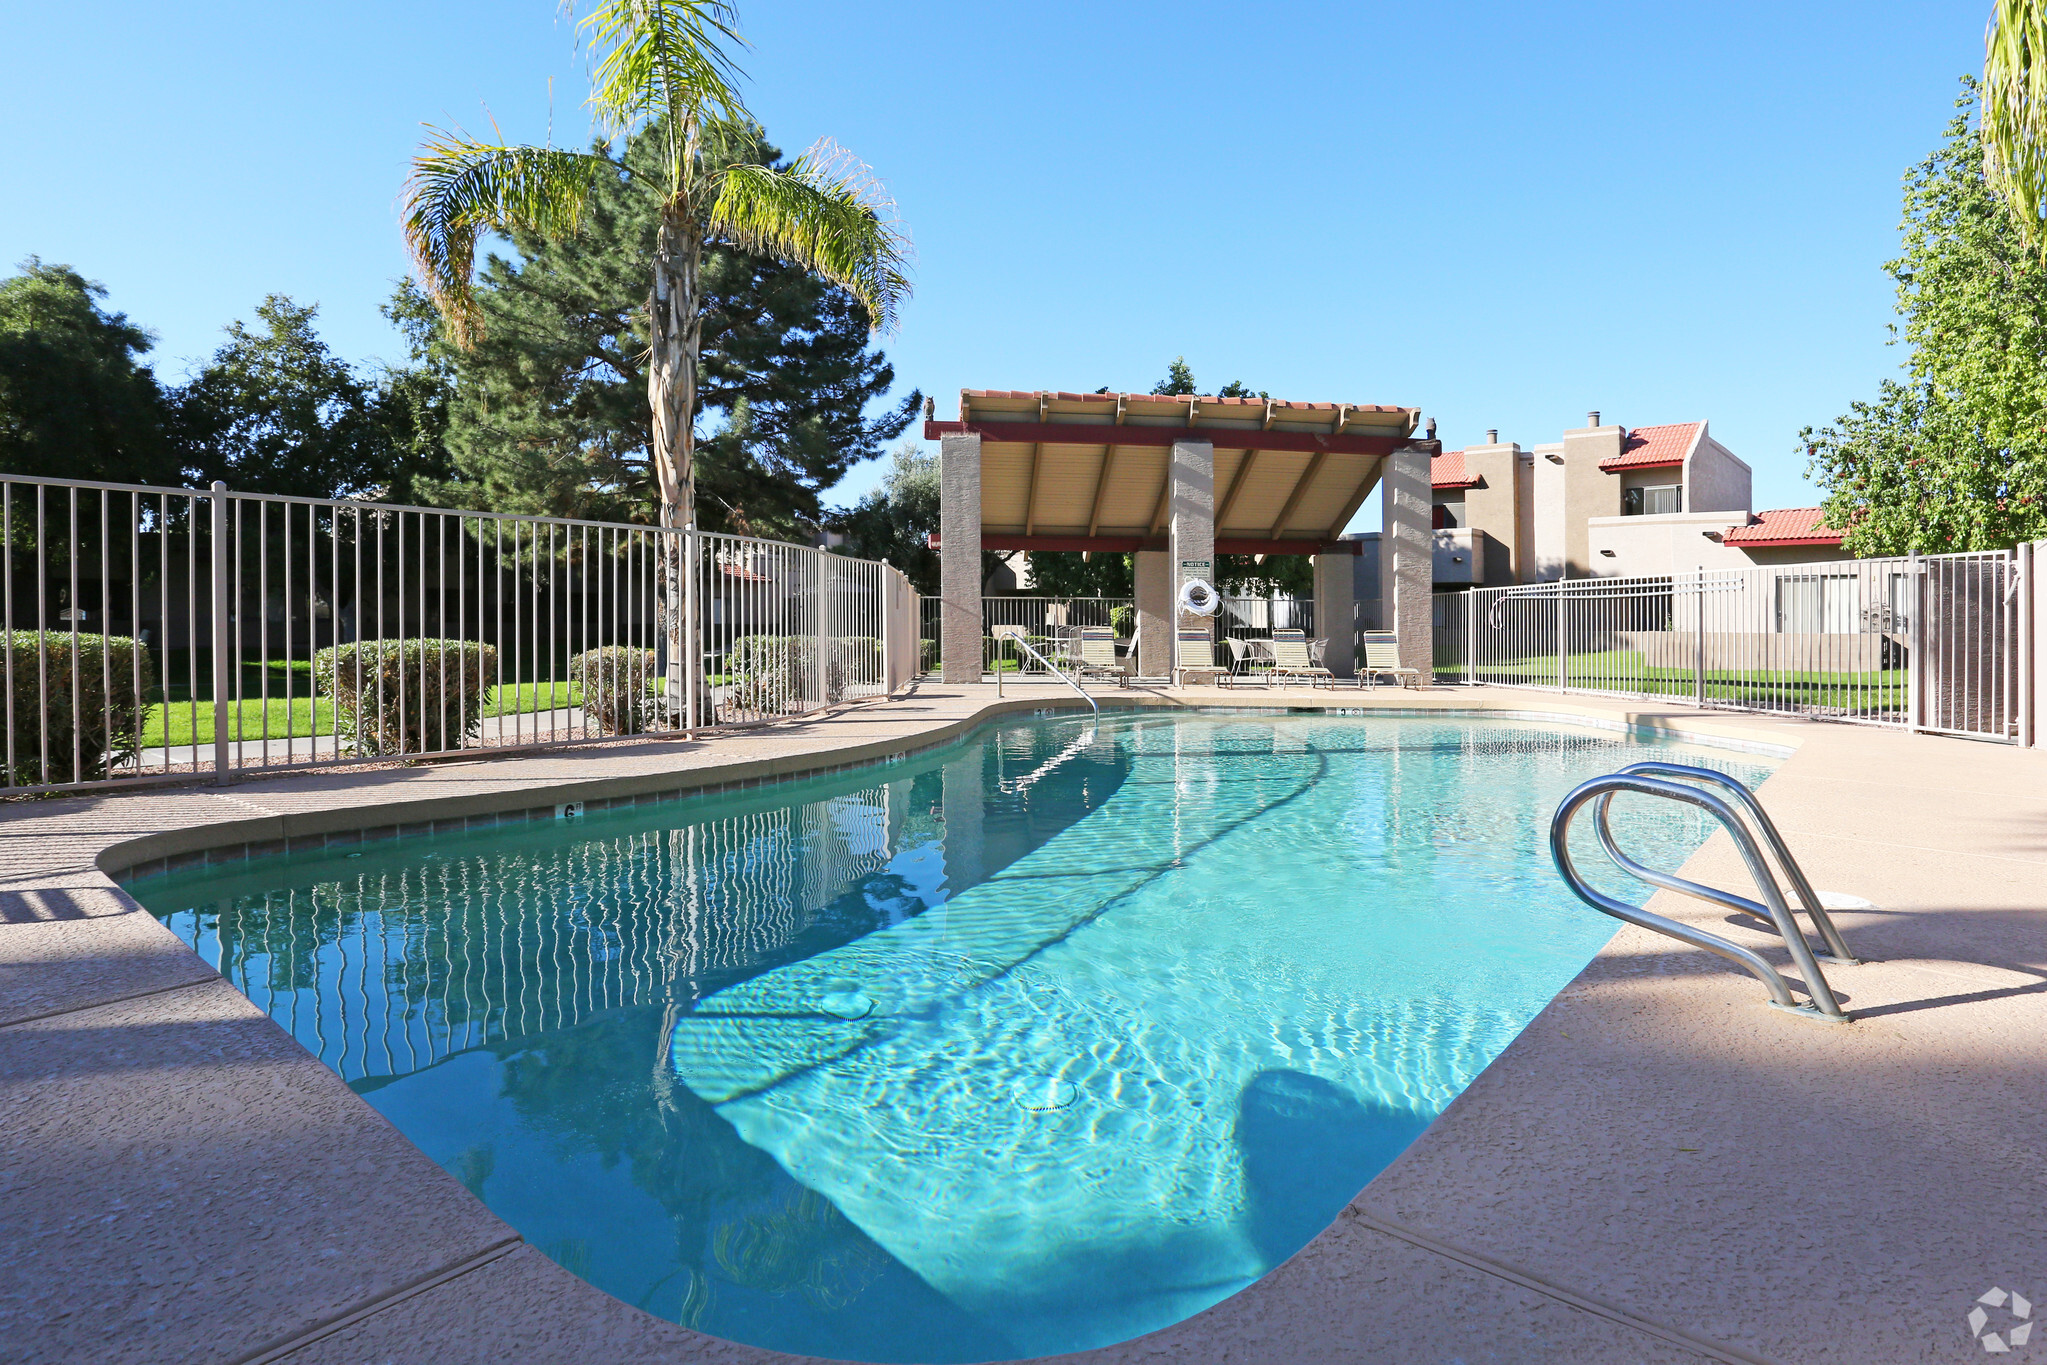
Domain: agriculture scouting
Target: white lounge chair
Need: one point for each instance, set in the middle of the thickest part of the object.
(1098, 655)
(1196, 654)
(1382, 658)
(1290, 660)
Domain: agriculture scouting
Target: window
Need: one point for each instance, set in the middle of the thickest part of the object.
(1816, 604)
(1652, 502)
(1447, 515)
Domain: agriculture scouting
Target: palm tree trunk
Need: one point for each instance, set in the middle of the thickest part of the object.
(675, 318)
(675, 323)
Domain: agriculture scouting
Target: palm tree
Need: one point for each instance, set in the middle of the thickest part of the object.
(659, 64)
(2015, 108)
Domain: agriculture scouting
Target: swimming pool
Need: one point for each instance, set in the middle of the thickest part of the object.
(1029, 1043)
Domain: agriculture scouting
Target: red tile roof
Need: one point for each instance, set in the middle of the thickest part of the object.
(1447, 471)
(1783, 526)
(1110, 398)
(1655, 447)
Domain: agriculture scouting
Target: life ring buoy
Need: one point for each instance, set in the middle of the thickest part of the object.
(1197, 598)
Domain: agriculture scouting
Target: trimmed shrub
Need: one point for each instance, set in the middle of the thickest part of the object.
(618, 687)
(771, 674)
(766, 673)
(850, 659)
(442, 683)
(42, 670)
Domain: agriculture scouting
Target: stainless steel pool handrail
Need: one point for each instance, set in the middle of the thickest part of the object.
(1835, 948)
(1050, 667)
(1821, 1005)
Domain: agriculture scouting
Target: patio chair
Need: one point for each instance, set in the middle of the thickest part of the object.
(1247, 658)
(1098, 655)
(1290, 660)
(1382, 658)
(1196, 654)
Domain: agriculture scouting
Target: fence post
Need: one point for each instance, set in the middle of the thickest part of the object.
(220, 634)
(888, 635)
(1563, 672)
(824, 570)
(1471, 638)
(1699, 640)
(692, 626)
(2025, 562)
(1914, 634)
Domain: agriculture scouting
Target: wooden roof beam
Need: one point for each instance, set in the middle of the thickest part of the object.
(1293, 499)
(1037, 459)
(1222, 514)
(1356, 501)
(1094, 515)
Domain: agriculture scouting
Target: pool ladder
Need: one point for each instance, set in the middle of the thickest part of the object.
(1675, 782)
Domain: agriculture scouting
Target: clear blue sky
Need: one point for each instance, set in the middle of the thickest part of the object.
(1504, 214)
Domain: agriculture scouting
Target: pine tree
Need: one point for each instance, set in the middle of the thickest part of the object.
(549, 413)
(896, 520)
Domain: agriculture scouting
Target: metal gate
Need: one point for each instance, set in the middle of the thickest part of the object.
(1931, 643)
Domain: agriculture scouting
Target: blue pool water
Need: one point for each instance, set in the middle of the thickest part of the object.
(1028, 1044)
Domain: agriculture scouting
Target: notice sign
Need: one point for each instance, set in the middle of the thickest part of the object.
(1196, 568)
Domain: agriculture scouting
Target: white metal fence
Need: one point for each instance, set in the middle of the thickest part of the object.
(1930, 643)
(150, 632)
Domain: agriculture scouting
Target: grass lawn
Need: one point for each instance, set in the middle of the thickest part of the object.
(180, 721)
(525, 698)
(1625, 671)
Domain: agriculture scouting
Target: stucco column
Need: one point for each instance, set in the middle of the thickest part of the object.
(959, 558)
(1154, 613)
(2035, 719)
(963, 789)
(1193, 525)
(1406, 571)
(1336, 615)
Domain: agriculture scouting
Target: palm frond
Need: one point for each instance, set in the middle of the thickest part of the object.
(826, 213)
(460, 189)
(2015, 108)
(663, 59)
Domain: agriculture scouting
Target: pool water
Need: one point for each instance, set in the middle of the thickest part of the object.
(1032, 1043)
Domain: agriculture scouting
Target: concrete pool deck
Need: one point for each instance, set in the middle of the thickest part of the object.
(1658, 1169)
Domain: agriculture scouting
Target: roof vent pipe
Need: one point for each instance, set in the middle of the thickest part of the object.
(1492, 436)
(1592, 418)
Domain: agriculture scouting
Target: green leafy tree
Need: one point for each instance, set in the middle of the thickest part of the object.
(896, 520)
(547, 409)
(75, 400)
(658, 65)
(276, 411)
(1954, 457)
(1180, 380)
(1066, 573)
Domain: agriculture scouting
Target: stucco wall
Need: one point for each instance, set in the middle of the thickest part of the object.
(1589, 492)
(1365, 581)
(1671, 543)
(1792, 554)
(1715, 479)
(1546, 519)
(959, 558)
(1494, 507)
